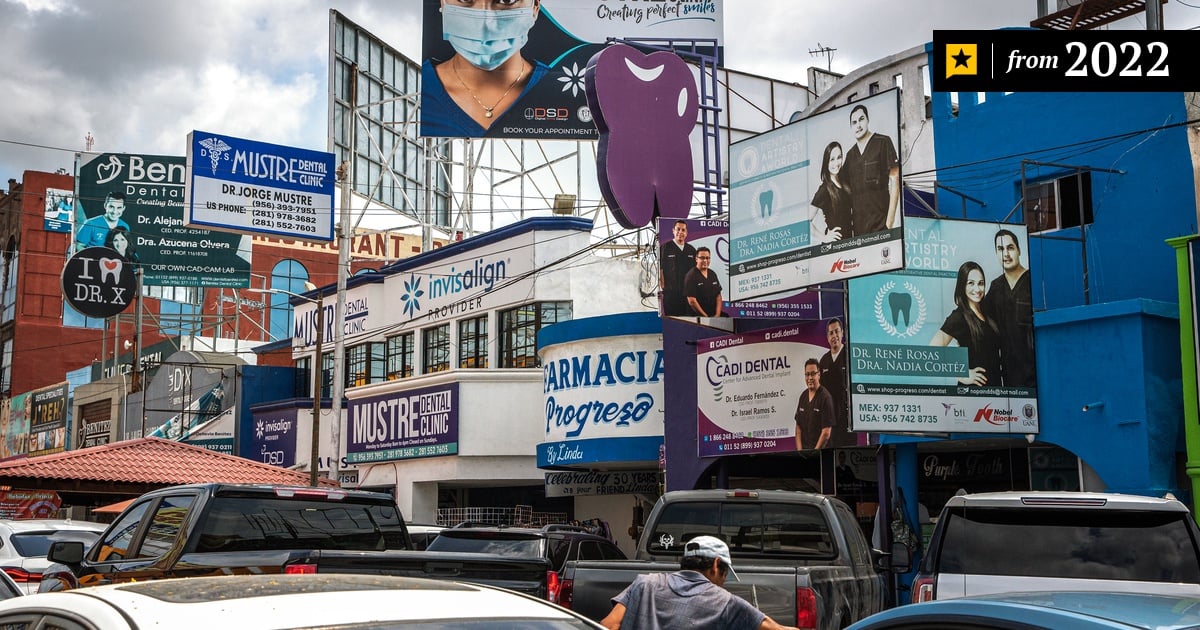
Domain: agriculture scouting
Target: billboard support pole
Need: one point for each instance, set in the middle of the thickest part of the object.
(343, 270)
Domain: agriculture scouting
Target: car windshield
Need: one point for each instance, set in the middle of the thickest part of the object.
(1083, 544)
(489, 542)
(37, 544)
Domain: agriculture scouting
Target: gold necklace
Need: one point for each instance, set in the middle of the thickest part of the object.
(487, 111)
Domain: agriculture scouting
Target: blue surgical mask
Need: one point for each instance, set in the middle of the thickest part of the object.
(486, 38)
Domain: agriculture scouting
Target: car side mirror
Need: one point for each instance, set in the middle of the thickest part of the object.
(901, 558)
(65, 552)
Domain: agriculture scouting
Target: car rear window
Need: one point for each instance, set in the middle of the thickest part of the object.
(37, 544)
(1079, 544)
(262, 523)
(510, 545)
(768, 529)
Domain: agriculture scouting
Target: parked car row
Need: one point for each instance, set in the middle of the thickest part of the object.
(1009, 560)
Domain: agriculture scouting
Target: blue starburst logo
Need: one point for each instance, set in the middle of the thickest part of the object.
(412, 295)
(573, 79)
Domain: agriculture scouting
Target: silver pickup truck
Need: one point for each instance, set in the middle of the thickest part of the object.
(801, 558)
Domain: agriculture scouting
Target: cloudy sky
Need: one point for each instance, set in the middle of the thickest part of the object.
(138, 75)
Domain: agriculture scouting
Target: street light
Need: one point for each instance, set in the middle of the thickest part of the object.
(314, 453)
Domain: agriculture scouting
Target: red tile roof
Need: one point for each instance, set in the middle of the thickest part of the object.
(148, 461)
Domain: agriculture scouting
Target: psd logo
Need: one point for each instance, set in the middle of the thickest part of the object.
(547, 113)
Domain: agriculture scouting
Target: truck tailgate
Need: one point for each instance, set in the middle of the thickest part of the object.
(525, 575)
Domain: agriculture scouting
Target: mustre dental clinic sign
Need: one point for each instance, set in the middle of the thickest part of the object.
(170, 253)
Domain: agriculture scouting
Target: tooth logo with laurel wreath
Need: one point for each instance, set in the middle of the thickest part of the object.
(898, 321)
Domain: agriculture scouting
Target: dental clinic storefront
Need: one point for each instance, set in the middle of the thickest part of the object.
(444, 402)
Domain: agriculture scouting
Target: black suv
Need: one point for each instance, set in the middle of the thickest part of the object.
(556, 543)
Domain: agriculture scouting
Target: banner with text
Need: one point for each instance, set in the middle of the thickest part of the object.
(749, 389)
(817, 200)
(947, 344)
(48, 419)
(542, 57)
(251, 187)
(420, 422)
(134, 204)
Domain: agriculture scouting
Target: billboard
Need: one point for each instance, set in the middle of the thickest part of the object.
(530, 84)
(677, 243)
(139, 199)
(947, 344)
(420, 422)
(60, 210)
(14, 425)
(244, 186)
(771, 391)
(817, 200)
(48, 419)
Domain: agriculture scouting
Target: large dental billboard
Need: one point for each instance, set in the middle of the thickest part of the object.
(134, 204)
(244, 186)
(817, 200)
(679, 242)
(518, 72)
(947, 344)
(770, 391)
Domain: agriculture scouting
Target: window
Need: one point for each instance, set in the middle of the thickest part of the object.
(287, 275)
(519, 328)
(472, 342)
(119, 537)
(6, 367)
(1055, 204)
(435, 349)
(164, 529)
(767, 529)
(304, 375)
(183, 295)
(365, 364)
(235, 524)
(9, 277)
(400, 356)
(873, 88)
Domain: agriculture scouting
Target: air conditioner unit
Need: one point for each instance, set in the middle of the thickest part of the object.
(564, 204)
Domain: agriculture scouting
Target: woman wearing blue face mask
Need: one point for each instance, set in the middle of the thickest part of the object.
(466, 94)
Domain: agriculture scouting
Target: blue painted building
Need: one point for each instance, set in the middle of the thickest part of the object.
(1105, 293)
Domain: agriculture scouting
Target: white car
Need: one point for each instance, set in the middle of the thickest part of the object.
(24, 543)
(288, 601)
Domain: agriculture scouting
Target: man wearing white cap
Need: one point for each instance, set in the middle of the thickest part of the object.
(689, 599)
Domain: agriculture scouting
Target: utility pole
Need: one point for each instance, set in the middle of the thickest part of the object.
(315, 453)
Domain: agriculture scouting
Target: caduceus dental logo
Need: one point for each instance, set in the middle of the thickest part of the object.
(715, 369)
(110, 170)
(214, 149)
(896, 318)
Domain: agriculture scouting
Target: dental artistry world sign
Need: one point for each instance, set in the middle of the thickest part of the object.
(603, 382)
(947, 344)
(540, 54)
(250, 187)
(816, 201)
(421, 422)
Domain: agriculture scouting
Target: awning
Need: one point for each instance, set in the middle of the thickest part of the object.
(115, 508)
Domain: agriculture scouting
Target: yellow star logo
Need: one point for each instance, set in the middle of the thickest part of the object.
(962, 59)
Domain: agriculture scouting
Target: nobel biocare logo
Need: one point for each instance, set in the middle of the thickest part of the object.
(898, 320)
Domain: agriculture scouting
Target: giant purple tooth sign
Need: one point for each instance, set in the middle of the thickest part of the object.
(645, 107)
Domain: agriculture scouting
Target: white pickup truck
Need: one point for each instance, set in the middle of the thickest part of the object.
(1004, 542)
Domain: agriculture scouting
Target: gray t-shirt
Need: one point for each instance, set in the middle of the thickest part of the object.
(684, 600)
